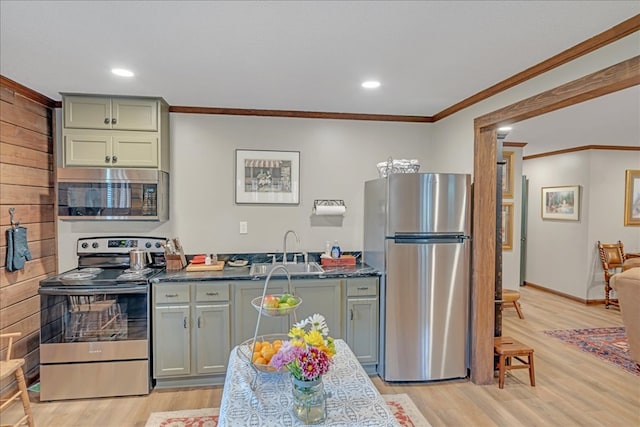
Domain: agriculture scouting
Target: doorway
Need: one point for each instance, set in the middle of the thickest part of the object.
(611, 79)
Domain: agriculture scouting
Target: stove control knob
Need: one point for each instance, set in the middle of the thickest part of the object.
(147, 245)
(158, 245)
(94, 245)
(85, 245)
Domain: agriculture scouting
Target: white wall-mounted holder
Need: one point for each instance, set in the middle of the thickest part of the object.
(327, 207)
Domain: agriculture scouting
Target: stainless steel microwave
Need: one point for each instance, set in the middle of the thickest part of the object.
(113, 194)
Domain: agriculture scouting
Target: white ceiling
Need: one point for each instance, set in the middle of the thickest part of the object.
(303, 55)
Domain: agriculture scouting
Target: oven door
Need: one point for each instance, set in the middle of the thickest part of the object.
(94, 341)
(87, 324)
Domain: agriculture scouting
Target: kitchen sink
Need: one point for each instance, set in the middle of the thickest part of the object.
(309, 268)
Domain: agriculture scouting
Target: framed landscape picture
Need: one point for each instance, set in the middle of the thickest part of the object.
(507, 226)
(561, 203)
(267, 177)
(507, 175)
(632, 197)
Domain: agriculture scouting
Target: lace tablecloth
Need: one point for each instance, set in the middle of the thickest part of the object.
(353, 399)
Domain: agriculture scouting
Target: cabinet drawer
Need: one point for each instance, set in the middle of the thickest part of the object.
(171, 294)
(208, 292)
(362, 289)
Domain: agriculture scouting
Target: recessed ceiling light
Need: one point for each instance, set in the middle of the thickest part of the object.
(122, 72)
(505, 129)
(371, 84)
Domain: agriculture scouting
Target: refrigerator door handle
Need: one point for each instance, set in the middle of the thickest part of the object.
(429, 240)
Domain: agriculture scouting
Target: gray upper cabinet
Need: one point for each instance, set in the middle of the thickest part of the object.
(94, 112)
(115, 132)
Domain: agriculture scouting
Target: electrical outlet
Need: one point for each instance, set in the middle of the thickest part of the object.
(243, 227)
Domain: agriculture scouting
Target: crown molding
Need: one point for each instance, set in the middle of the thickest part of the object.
(300, 114)
(582, 148)
(26, 92)
(514, 144)
(611, 35)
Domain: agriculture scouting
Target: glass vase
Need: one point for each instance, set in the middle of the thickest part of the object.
(309, 401)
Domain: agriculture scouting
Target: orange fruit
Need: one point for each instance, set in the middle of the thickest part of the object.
(267, 353)
(256, 354)
(260, 361)
(277, 342)
(257, 346)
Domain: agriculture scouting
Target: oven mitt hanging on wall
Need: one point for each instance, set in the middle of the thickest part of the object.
(9, 263)
(17, 248)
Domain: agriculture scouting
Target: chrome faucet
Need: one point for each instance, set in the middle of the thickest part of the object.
(284, 245)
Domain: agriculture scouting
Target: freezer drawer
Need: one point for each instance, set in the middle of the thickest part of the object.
(426, 311)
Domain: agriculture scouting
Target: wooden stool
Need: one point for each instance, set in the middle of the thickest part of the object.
(511, 296)
(508, 348)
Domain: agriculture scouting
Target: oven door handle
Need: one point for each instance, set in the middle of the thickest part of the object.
(93, 291)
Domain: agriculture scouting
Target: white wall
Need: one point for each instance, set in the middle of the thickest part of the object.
(562, 255)
(336, 158)
(453, 145)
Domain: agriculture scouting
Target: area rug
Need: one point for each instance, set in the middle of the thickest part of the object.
(609, 344)
(400, 405)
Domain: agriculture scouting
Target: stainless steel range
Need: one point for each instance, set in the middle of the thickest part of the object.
(95, 322)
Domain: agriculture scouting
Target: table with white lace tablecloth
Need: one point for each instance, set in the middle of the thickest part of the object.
(353, 399)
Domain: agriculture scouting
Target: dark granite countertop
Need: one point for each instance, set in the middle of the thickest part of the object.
(242, 273)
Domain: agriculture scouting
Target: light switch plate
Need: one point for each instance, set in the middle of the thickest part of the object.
(244, 227)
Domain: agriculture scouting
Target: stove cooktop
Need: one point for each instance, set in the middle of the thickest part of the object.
(94, 276)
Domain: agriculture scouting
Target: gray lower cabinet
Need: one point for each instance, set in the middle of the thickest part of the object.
(245, 315)
(191, 333)
(362, 319)
(195, 326)
(322, 296)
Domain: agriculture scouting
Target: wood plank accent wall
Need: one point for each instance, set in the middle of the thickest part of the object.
(27, 183)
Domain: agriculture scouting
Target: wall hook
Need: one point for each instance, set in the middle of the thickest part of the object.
(14, 223)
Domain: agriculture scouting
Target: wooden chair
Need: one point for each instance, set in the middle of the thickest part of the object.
(10, 367)
(612, 257)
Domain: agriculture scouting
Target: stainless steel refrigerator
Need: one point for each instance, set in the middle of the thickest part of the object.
(417, 232)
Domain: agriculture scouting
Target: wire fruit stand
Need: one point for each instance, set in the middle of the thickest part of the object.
(246, 349)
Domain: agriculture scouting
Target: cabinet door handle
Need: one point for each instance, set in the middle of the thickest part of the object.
(170, 295)
(115, 159)
(212, 294)
(184, 322)
(198, 321)
(107, 159)
(364, 288)
(351, 310)
(113, 121)
(106, 120)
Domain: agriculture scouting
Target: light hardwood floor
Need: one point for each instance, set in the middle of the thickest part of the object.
(573, 388)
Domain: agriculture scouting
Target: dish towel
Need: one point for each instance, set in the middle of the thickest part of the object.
(17, 249)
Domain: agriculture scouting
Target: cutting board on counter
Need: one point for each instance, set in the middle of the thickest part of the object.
(216, 266)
